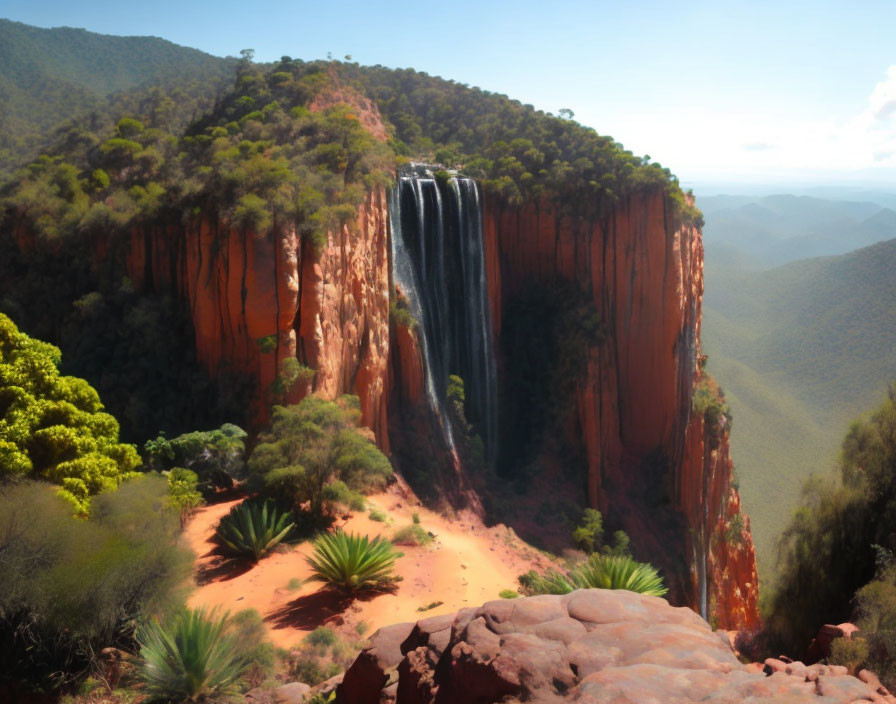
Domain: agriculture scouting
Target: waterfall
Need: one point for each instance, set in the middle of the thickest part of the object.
(438, 263)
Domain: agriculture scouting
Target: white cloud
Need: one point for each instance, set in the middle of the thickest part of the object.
(882, 102)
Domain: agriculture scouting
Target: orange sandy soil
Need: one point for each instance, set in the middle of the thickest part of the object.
(465, 565)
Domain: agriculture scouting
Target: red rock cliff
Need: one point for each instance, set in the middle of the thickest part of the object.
(645, 274)
(258, 299)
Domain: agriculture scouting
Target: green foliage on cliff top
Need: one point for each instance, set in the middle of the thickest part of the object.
(52, 426)
(520, 154)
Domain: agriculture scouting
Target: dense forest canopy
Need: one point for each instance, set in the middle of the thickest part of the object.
(51, 76)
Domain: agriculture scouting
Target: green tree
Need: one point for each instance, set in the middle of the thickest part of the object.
(216, 456)
(313, 444)
(827, 552)
(52, 426)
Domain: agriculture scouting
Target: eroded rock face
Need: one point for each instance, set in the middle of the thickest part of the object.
(259, 298)
(632, 408)
(592, 646)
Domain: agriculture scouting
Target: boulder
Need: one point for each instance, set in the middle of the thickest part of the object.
(592, 646)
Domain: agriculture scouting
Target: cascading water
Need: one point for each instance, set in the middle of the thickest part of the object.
(438, 263)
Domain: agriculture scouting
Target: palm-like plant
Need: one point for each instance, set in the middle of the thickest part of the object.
(253, 529)
(617, 572)
(352, 562)
(193, 659)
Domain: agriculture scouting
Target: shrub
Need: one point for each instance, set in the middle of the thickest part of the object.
(351, 562)
(321, 636)
(191, 659)
(321, 655)
(71, 587)
(412, 535)
(552, 582)
(338, 494)
(216, 456)
(415, 518)
(600, 572)
(850, 652)
(252, 645)
(183, 493)
(618, 572)
(589, 534)
(252, 529)
(312, 445)
(508, 594)
(377, 515)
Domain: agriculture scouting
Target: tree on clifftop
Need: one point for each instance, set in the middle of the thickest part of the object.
(52, 427)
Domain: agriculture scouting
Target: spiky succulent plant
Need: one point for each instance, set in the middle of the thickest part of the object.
(352, 562)
(598, 571)
(252, 529)
(618, 572)
(192, 659)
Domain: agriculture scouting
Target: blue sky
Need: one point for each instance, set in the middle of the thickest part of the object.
(771, 92)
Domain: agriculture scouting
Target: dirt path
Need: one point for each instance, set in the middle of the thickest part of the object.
(465, 565)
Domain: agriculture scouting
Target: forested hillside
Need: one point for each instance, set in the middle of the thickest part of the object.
(48, 76)
(800, 350)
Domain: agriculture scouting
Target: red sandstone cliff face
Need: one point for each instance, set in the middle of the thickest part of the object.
(646, 278)
(258, 299)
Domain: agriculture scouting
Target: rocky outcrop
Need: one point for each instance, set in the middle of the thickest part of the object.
(643, 272)
(257, 299)
(593, 646)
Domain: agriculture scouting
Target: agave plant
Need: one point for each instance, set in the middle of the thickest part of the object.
(551, 582)
(253, 529)
(617, 572)
(193, 659)
(352, 562)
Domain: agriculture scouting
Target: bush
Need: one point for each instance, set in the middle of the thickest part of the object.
(377, 515)
(312, 445)
(183, 493)
(338, 494)
(508, 594)
(71, 587)
(827, 555)
(589, 534)
(321, 636)
(192, 659)
(352, 563)
(618, 572)
(253, 528)
(321, 655)
(216, 456)
(852, 653)
(53, 427)
(412, 535)
(600, 572)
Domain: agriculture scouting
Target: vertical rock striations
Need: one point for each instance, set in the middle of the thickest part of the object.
(257, 300)
(632, 405)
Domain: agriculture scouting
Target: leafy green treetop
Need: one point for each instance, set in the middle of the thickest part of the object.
(312, 445)
(53, 426)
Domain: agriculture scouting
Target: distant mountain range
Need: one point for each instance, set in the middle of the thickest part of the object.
(51, 75)
(800, 349)
(745, 232)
